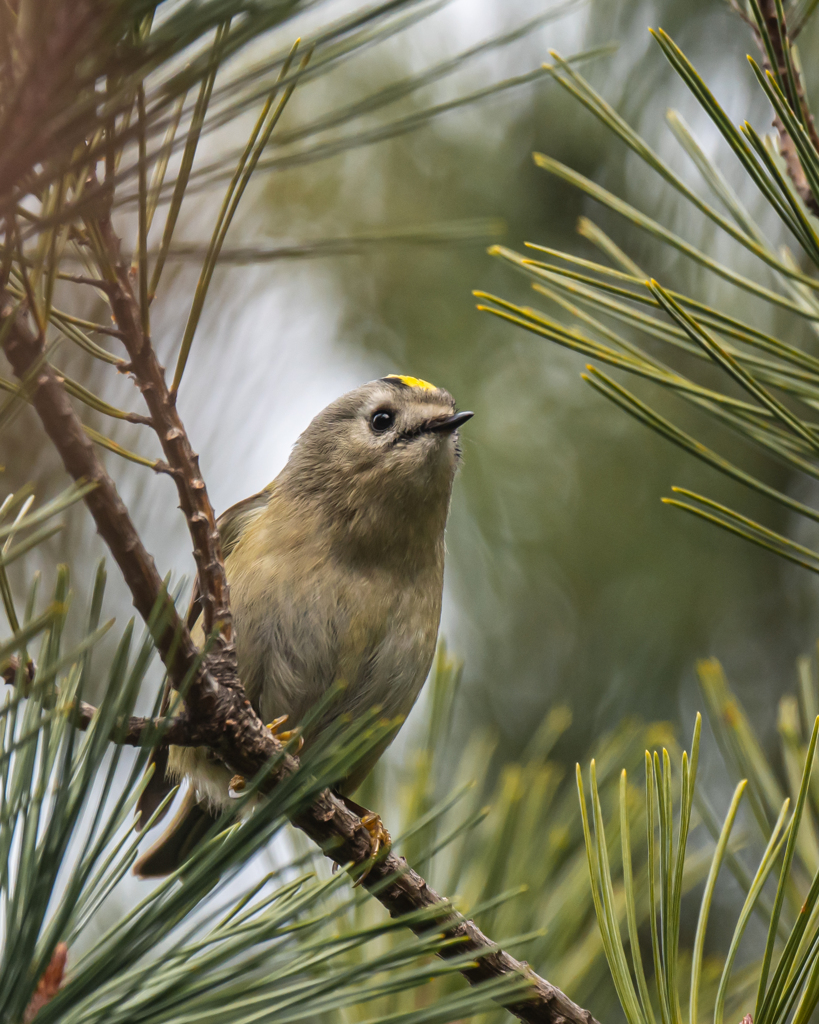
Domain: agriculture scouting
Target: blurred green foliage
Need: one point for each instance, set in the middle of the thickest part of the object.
(732, 278)
(508, 849)
(768, 843)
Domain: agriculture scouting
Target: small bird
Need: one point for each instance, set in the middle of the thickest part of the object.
(336, 572)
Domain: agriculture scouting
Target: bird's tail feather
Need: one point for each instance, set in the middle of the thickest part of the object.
(155, 791)
(189, 826)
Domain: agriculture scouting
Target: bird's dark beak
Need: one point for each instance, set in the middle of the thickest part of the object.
(449, 423)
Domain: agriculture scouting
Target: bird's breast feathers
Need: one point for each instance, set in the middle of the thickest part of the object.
(304, 622)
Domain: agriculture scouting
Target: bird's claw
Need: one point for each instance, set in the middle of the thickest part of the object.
(238, 782)
(284, 737)
(380, 839)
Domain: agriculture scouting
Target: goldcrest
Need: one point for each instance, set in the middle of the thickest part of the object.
(336, 573)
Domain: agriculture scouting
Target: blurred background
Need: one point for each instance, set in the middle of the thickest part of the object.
(568, 584)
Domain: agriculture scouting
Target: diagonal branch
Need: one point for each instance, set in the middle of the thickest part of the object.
(179, 731)
(25, 351)
(182, 459)
(222, 715)
(216, 701)
(210, 702)
(787, 149)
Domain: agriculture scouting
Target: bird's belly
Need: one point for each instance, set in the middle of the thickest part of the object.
(291, 650)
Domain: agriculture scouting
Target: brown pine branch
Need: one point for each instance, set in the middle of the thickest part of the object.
(134, 731)
(49, 985)
(41, 70)
(182, 459)
(222, 715)
(25, 351)
(787, 149)
(210, 702)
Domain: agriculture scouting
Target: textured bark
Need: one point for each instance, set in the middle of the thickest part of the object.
(39, 85)
(24, 350)
(182, 459)
(787, 149)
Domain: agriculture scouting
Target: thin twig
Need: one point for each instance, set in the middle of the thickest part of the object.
(134, 731)
(93, 282)
(739, 10)
(193, 496)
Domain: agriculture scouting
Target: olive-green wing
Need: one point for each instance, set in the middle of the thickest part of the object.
(230, 524)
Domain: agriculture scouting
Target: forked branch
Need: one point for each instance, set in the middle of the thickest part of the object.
(25, 351)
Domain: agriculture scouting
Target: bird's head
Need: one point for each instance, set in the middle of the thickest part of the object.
(379, 462)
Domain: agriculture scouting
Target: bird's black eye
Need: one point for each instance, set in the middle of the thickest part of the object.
(382, 420)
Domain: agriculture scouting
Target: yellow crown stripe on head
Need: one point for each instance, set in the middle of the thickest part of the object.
(412, 382)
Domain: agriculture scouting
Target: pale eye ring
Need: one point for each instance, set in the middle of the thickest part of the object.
(382, 420)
